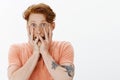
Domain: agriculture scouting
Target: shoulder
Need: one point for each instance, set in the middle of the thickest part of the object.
(62, 44)
(17, 46)
(65, 51)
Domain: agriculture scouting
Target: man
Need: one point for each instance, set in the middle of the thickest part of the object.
(40, 58)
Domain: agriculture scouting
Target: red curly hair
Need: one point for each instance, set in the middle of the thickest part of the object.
(40, 8)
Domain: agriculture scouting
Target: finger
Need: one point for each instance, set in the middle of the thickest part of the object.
(50, 33)
(32, 36)
(28, 31)
(36, 40)
(41, 39)
(46, 36)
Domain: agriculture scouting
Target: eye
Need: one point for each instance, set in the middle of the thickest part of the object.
(43, 24)
(33, 24)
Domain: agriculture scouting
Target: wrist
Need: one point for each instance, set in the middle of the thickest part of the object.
(44, 53)
(35, 52)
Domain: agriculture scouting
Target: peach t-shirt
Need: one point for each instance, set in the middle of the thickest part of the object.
(61, 52)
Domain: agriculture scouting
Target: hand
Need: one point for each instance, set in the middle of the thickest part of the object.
(33, 42)
(45, 43)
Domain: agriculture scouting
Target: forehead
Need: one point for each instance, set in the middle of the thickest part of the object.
(37, 17)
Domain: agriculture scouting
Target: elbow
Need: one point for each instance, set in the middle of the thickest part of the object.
(69, 78)
(63, 78)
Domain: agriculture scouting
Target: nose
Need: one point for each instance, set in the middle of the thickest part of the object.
(39, 30)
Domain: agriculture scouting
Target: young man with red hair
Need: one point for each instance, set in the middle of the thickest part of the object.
(40, 58)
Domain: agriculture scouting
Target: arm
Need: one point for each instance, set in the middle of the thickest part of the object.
(58, 72)
(24, 72)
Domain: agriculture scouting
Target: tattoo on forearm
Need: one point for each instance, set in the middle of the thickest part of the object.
(69, 70)
(54, 65)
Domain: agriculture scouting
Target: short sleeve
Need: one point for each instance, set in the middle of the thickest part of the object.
(67, 53)
(13, 55)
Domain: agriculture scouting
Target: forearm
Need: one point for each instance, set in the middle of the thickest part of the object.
(58, 72)
(25, 71)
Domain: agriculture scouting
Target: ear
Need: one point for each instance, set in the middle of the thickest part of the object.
(52, 25)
